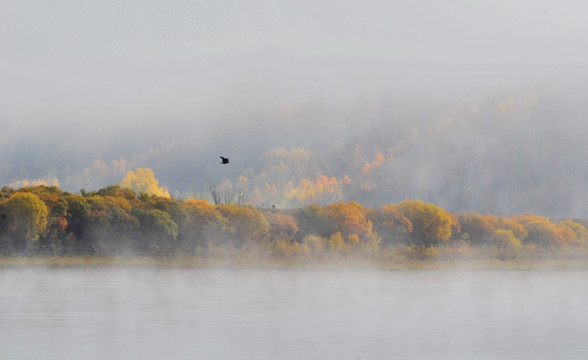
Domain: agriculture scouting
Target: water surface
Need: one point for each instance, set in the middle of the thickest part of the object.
(292, 314)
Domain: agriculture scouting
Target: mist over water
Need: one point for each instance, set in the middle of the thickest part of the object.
(292, 314)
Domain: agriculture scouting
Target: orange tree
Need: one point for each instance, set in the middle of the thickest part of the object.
(389, 223)
(548, 234)
(282, 226)
(349, 218)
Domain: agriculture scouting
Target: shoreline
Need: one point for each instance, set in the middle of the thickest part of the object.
(193, 262)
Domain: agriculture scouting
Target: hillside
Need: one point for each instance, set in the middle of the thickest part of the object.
(508, 153)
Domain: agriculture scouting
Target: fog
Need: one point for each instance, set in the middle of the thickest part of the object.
(291, 314)
(474, 105)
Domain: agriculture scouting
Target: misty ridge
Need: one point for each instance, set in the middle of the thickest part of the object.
(500, 152)
(379, 177)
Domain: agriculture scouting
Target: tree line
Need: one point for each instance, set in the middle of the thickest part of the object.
(44, 220)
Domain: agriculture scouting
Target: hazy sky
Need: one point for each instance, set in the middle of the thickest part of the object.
(65, 60)
(172, 84)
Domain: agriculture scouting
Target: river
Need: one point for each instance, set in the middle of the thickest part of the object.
(149, 313)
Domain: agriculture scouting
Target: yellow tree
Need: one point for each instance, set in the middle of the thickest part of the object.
(55, 232)
(204, 223)
(26, 217)
(506, 243)
(430, 223)
(517, 229)
(577, 228)
(479, 228)
(144, 181)
(245, 223)
(505, 239)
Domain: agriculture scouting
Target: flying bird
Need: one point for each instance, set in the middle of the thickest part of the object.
(224, 160)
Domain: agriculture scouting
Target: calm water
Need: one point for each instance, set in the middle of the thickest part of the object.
(292, 314)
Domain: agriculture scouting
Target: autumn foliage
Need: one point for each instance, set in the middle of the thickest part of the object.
(144, 181)
(118, 221)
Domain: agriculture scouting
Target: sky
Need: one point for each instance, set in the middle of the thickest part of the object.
(97, 76)
(112, 57)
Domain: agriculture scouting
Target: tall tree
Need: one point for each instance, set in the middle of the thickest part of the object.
(144, 181)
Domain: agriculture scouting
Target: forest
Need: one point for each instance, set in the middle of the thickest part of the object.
(117, 221)
(509, 152)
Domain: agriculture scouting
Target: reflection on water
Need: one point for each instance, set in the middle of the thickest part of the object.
(292, 314)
